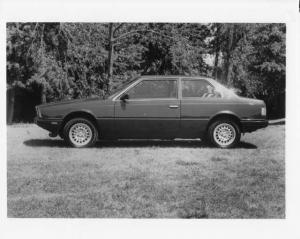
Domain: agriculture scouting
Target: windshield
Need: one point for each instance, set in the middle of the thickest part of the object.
(119, 88)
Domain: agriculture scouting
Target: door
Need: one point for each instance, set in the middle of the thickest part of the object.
(152, 110)
(199, 101)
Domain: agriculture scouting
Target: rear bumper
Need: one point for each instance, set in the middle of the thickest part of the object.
(252, 125)
(52, 125)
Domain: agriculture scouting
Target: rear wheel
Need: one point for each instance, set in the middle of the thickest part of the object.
(80, 133)
(224, 133)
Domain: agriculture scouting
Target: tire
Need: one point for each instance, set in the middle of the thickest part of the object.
(80, 133)
(224, 133)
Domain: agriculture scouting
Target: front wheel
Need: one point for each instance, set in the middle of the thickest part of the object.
(80, 132)
(224, 133)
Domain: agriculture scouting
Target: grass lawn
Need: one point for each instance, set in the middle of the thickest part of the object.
(142, 179)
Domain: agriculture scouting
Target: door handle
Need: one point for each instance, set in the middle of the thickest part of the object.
(173, 106)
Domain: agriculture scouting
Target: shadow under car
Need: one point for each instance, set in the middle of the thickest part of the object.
(133, 143)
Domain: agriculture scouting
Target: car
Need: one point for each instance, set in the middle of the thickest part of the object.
(157, 107)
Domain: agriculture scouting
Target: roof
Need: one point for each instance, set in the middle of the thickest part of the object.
(170, 76)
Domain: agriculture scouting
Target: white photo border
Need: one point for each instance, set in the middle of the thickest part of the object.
(255, 11)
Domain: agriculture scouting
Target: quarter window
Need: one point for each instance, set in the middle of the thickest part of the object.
(198, 88)
(151, 89)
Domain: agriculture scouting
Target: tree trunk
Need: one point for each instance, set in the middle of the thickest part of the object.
(43, 95)
(10, 105)
(228, 62)
(216, 64)
(217, 53)
(110, 57)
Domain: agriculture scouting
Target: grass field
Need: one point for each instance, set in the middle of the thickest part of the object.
(144, 179)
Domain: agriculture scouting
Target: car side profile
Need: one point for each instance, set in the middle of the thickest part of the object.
(156, 107)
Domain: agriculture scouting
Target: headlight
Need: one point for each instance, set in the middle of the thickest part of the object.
(263, 111)
(38, 112)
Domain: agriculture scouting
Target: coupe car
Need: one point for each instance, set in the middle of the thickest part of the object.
(156, 107)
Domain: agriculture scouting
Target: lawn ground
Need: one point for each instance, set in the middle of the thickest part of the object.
(145, 179)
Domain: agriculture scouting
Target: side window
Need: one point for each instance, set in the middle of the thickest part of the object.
(151, 89)
(198, 88)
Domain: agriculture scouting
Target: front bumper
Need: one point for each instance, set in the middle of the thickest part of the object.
(52, 125)
(252, 125)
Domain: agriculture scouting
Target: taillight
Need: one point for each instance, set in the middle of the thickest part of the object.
(263, 111)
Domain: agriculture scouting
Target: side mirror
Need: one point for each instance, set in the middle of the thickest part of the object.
(124, 97)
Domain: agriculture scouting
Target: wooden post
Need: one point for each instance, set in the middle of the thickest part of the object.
(10, 105)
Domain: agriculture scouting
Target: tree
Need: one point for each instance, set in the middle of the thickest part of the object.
(56, 61)
(267, 68)
(139, 40)
(117, 32)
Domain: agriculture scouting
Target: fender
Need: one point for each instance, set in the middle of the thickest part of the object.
(81, 113)
(224, 112)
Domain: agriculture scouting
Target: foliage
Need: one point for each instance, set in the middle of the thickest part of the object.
(253, 60)
(59, 61)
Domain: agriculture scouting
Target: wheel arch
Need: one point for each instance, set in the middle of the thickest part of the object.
(79, 114)
(225, 115)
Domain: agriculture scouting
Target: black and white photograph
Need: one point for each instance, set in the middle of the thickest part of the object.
(189, 118)
(146, 120)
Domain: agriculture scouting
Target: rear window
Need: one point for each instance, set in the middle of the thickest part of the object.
(197, 88)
